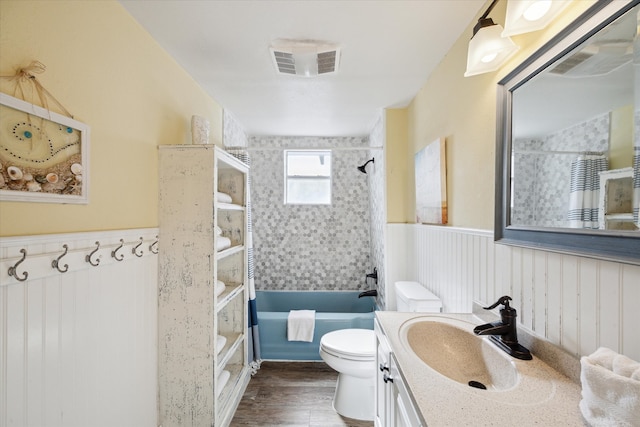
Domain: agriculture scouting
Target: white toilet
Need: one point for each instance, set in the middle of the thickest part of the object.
(352, 352)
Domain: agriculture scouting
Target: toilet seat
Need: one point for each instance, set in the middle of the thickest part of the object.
(352, 344)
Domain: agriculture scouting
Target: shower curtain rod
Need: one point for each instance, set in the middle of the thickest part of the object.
(310, 148)
(595, 153)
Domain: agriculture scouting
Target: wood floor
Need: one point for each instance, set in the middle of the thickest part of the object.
(292, 394)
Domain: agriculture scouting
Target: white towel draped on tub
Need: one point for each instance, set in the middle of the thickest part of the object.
(300, 325)
(610, 389)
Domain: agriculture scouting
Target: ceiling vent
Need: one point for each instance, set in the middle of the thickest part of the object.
(596, 60)
(306, 58)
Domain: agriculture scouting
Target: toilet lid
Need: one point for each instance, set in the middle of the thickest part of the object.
(350, 342)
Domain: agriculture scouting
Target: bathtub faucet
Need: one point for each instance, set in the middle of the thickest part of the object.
(370, 293)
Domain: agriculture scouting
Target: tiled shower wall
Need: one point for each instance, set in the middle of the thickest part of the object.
(378, 215)
(542, 171)
(310, 247)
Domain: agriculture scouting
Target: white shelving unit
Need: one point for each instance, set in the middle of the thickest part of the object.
(192, 367)
(615, 203)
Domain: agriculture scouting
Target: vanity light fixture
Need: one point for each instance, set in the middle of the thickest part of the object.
(488, 49)
(524, 16)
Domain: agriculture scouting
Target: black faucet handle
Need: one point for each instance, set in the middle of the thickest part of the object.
(503, 300)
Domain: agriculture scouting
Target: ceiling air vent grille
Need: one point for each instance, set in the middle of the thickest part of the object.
(327, 62)
(285, 62)
(570, 63)
(305, 58)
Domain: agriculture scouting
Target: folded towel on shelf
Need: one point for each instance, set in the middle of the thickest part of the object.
(222, 381)
(223, 197)
(220, 286)
(301, 325)
(221, 340)
(223, 243)
(610, 389)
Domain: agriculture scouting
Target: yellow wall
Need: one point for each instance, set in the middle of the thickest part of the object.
(110, 74)
(621, 139)
(463, 110)
(396, 163)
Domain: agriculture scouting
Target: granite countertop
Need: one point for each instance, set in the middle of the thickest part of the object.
(542, 396)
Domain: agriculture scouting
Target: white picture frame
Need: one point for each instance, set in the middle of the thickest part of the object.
(44, 156)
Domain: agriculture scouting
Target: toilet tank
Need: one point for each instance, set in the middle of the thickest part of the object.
(412, 296)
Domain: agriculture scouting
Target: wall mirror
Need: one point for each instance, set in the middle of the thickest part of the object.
(568, 140)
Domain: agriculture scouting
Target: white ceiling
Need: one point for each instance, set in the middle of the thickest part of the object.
(389, 48)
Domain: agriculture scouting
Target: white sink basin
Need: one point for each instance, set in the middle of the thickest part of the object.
(449, 347)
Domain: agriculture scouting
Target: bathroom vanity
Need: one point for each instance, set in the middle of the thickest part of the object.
(436, 378)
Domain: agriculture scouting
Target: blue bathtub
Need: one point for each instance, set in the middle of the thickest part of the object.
(334, 310)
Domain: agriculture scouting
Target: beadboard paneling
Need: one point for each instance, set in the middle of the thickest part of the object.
(79, 348)
(576, 303)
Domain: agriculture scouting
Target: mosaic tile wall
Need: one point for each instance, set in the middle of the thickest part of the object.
(300, 247)
(378, 209)
(541, 180)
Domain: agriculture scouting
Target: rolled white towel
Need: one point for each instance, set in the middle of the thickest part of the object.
(223, 197)
(220, 287)
(222, 381)
(610, 389)
(223, 243)
(221, 340)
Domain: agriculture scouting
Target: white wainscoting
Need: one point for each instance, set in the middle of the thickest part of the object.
(79, 348)
(575, 302)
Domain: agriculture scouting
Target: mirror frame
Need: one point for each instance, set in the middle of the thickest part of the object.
(610, 245)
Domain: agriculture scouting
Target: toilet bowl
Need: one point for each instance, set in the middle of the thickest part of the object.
(352, 352)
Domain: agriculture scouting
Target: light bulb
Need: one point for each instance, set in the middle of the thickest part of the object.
(489, 57)
(537, 10)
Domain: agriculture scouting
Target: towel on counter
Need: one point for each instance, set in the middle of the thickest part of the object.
(300, 325)
(223, 197)
(222, 381)
(220, 286)
(610, 389)
(223, 243)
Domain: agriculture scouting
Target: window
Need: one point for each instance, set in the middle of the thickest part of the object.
(307, 177)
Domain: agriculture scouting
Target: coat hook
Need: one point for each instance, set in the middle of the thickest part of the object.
(13, 270)
(88, 257)
(56, 262)
(114, 252)
(134, 250)
(156, 246)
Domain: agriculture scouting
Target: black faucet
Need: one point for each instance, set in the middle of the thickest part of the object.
(504, 333)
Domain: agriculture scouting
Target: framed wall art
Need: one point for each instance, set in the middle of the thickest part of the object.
(44, 156)
(431, 184)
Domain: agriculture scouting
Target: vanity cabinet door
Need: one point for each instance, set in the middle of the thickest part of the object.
(404, 413)
(384, 391)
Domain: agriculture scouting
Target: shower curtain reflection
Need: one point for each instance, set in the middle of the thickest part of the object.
(585, 189)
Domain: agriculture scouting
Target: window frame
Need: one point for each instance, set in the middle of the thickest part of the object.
(329, 177)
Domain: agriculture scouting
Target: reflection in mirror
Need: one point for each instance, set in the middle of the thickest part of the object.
(575, 127)
(568, 140)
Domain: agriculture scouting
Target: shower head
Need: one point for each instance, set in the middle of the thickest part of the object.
(362, 168)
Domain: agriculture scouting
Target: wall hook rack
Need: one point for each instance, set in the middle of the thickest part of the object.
(114, 253)
(154, 244)
(88, 257)
(135, 249)
(13, 271)
(56, 262)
